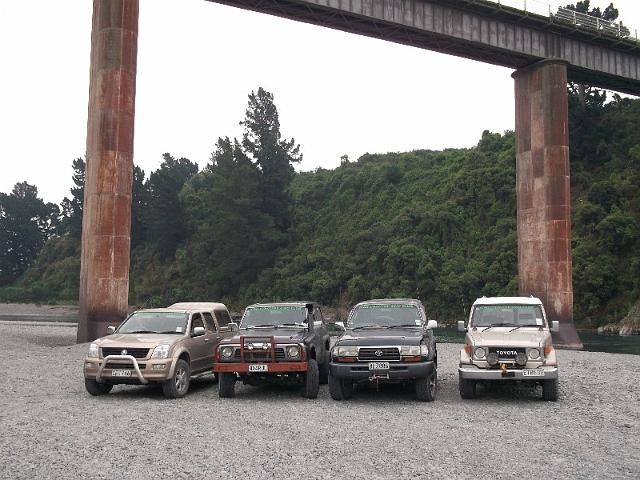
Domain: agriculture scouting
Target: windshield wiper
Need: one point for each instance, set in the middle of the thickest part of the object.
(406, 325)
(499, 325)
(140, 331)
(292, 325)
(367, 326)
(172, 331)
(249, 327)
(520, 326)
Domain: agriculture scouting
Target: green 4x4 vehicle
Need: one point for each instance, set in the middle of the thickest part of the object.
(386, 341)
(508, 339)
(278, 342)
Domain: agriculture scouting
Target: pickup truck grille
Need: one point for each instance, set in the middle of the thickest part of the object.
(259, 356)
(378, 353)
(134, 352)
(126, 366)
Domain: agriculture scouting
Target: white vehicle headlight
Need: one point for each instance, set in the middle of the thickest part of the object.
(410, 350)
(424, 350)
(161, 351)
(480, 352)
(293, 351)
(93, 351)
(227, 352)
(346, 351)
(534, 353)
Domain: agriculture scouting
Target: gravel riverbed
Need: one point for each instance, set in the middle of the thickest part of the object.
(51, 428)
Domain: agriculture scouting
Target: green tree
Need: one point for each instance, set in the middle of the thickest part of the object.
(72, 208)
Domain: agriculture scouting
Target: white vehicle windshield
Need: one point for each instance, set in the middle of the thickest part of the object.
(385, 315)
(507, 316)
(155, 322)
(274, 316)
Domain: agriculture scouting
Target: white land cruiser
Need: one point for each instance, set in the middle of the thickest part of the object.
(508, 338)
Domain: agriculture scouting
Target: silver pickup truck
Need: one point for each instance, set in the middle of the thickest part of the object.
(508, 338)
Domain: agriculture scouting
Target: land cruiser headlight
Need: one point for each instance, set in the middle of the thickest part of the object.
(161, 351)
(226, 352)
(410, 350)
(534, 353)
(293, 351)
(480, 353)
(93, 351)
(424, 350)
(346, 351)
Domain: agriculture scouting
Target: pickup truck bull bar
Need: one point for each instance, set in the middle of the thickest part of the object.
(131, 358)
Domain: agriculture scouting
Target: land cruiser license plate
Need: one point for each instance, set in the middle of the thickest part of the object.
(533, 373)
(258, 368)
(120, 373)
(378, 365)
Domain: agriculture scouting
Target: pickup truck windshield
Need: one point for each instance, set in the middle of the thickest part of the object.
(507, 316)
(276, 315)
(155, 322)
(385, 315)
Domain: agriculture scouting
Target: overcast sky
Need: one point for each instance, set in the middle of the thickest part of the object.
(336, 93)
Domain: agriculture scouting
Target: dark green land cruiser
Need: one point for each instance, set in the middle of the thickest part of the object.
(388, 341)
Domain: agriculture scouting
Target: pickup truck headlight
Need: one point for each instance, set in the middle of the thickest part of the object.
(226, 352)
(93, 351)
(345, 351)
(534, 353)
(410, 350)
(293, 351)
(480, 353)
(161, 351)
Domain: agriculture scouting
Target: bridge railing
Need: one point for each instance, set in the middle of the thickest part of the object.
(580, 21)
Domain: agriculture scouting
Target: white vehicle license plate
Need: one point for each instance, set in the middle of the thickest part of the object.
(378, 365)
(258, 368)
(120, 373)
(533, 373)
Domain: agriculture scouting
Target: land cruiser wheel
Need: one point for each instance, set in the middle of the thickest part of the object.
(227, 385)
(467, 388)
(426, 388)
(311, 380)
(340, 389)
(95, 388)
(178, 385)
(324, 370)
(550, 390)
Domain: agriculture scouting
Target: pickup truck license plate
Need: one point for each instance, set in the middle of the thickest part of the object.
(258, 368)
(533, 373)
(120, 373)
(378, 365)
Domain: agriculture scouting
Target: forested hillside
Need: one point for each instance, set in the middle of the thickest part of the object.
(440, 226)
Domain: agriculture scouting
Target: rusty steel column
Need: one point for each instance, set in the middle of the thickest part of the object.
(544, 201)
(106, 223)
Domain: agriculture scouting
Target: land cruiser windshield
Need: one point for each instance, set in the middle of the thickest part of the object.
(507, 316)
(385, 315)
(155, 322)
(273, 316)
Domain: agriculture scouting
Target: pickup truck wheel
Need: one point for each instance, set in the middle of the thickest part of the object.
(467, 388)
(178, 385)
(426, 388)
(311, 380)
(95, 388)
(340, 389)
(550, 390)
(324, 370)
(227, 385)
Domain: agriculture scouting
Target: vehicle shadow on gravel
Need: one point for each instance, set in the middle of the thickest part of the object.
(508, 391)
(154, 391)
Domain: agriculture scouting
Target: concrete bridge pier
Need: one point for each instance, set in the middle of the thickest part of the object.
(543, 192)
(104, 270)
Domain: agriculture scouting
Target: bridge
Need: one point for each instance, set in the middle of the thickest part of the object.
(546, 50)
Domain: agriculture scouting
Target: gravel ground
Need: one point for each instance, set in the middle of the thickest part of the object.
(51, 428)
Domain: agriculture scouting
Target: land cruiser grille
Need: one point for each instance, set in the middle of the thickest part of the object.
(506, 354)
(379, 353)
(134, 352)
(260, 355)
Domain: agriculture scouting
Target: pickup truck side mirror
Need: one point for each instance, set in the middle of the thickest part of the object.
(461, 326)
(555, 326)
(110, 329)
(197, 332)
(431, 324)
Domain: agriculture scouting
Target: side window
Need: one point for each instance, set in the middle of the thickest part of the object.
(208, 320)
(318, 315)
(223, 317)
(196, 321)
